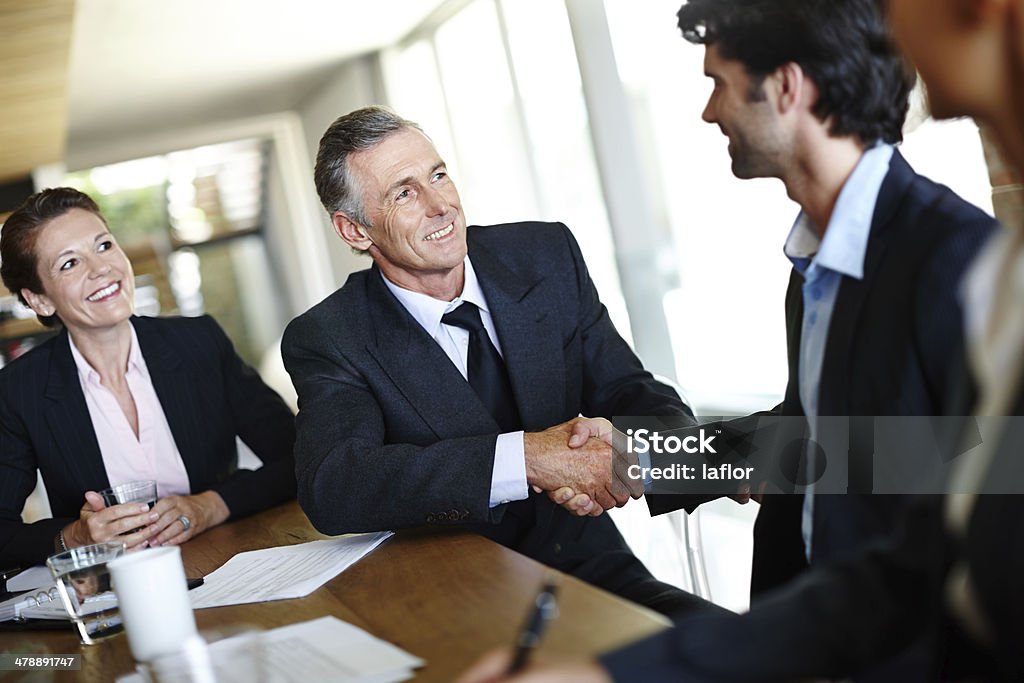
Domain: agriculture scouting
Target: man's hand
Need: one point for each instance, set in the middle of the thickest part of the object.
(551, 464)
(576, 463)
(584, 429)
(492, 668)
(578, 504)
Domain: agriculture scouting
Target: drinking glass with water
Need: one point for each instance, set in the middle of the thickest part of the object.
(83, 587)
(143, 491)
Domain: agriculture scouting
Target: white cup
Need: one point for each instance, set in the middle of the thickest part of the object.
(151, 590)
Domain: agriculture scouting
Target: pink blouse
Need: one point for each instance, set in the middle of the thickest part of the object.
(153, 455)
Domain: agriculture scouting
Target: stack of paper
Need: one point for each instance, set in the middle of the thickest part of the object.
(291, 571)
(325, 649)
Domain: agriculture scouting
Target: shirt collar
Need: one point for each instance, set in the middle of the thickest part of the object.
(846, 239)
(428, 311)
(86, 373)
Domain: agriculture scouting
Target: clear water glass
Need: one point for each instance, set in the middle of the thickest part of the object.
(83, 587)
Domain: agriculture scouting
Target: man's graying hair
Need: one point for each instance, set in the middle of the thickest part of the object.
(354, 132)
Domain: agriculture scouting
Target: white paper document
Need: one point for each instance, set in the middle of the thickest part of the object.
(291, 571)
(325, 649)
(31, 578)
(328, 649)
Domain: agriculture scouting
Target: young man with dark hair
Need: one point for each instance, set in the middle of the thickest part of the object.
(840, 46)
(811, 92)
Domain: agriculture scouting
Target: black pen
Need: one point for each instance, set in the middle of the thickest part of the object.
(545, 609)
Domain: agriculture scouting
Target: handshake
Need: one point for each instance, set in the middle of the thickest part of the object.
(582, 464)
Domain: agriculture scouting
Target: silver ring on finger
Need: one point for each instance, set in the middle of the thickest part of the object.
(185, 522)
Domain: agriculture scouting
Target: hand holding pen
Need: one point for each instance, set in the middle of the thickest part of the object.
(545, 608)
(502, 666)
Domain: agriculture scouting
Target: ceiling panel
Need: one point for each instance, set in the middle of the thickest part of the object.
(33, 83)
(145, 64)
(99, 69)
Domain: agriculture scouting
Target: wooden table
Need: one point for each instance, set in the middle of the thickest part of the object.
(446, 596)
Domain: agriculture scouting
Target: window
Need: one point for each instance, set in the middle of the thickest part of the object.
(498, 89)
(728, 233)
(192, 222)
(498, 86)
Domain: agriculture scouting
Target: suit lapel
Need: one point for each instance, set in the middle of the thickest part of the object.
(530, 340)
(530, 344)
(420, 369)
(67, 416)
(174, 387)
(836, 366)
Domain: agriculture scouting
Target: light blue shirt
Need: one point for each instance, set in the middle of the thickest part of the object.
(508, 476)
(824, 263)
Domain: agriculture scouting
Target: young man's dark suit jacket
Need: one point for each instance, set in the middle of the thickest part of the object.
(894, 347)
(208, 394)
(390, 434)
(849, 617)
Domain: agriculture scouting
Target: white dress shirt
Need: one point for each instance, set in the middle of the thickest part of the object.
(824, 262)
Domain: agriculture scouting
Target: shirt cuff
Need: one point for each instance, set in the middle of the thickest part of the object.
(508, 478)
(644, 460)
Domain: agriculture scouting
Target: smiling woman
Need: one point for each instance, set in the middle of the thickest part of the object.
(86, 280)
(115, 398)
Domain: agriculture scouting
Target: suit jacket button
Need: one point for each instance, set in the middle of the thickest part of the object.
(453, 516)
(430, 519)
(558, 547)
(465, 515)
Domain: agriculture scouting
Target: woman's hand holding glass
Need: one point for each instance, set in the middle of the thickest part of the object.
(138, 526)
(130, 523)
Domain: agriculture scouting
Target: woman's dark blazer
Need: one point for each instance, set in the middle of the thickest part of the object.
(208, 394)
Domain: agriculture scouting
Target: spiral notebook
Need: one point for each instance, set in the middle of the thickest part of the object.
(36, 604)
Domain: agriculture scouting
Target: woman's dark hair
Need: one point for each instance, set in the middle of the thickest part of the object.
(19, 266)
(842, 45)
